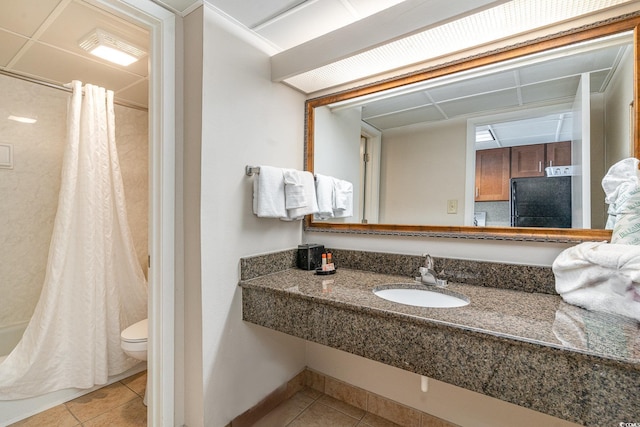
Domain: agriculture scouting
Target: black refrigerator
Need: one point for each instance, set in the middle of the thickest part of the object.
(541, 202)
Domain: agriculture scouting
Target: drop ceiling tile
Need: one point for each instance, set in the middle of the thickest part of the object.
(79, 19)
(570, 65)
(388, 105)
(406, 118)
(473, 86)
(10, 44)
(554, 90)
(25, 16)
(62, 67)
(477, 105)
(137, 94)
(254, 12)
(306, 23)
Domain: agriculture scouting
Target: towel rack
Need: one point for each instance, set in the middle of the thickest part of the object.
(250, 170)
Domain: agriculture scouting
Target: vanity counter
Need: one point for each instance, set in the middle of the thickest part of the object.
(531, 349)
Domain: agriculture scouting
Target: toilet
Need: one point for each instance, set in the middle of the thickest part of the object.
(133, 342)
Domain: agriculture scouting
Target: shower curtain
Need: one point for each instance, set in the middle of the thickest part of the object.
(94, 286)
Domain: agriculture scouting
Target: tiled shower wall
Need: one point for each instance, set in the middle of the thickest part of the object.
(29, 191)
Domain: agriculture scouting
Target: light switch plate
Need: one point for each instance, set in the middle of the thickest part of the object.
(6, 156)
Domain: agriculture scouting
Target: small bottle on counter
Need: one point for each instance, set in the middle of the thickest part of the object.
(324, 261)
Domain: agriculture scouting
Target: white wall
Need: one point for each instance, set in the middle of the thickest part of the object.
(422, 167)
(245, 119)
(337, 149)
(618, 96)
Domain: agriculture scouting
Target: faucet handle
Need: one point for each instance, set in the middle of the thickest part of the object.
(428, 262)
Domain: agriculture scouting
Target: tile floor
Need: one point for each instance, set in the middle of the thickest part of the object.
(119, 404)
(311, 408)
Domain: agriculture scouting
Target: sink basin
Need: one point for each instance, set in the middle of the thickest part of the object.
(434, 298)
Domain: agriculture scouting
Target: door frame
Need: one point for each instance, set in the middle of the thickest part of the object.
(161, 24)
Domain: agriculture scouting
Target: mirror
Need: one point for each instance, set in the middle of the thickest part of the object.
(412, 146)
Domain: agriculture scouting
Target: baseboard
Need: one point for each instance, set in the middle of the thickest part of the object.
(266, 405)
(370, 402)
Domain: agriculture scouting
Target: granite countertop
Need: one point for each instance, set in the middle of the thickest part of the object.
(536, 318)
(516, 340)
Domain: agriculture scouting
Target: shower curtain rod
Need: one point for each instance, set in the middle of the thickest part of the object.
(66, 89)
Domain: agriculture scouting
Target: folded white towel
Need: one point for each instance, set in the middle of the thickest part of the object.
(303, 191)
(268, 193)
(324, 194)
(295, 195)
(600, 276)
(342, 199)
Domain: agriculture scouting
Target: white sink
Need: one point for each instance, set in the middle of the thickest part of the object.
(421, 297)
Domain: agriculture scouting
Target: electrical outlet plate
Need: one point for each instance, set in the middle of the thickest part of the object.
(452, 206)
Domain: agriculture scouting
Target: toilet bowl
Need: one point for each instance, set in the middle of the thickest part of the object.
(133, 340)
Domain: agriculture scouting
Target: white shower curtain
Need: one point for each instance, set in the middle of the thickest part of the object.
(94, 285)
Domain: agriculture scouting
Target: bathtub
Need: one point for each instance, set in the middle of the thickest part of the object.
(9, 337)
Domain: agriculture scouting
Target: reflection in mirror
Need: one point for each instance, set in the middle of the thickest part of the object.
(483, 146)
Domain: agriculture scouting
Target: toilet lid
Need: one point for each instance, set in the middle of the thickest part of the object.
(136, 332)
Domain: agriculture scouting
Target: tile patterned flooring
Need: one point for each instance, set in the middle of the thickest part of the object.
(311, 408)
(119, 404)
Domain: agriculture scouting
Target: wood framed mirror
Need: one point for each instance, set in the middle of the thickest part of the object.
(410, 145)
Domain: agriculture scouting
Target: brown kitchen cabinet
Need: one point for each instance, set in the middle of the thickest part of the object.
(496, 166)
(530, 160)
(527, 160)
(558, 153)
(492, 174)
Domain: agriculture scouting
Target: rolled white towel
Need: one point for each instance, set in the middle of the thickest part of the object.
(600, 276)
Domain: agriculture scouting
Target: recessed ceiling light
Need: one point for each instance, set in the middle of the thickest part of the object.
(22, 119)
(107, 46)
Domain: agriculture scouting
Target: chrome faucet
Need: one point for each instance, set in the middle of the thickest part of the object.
(428, 276)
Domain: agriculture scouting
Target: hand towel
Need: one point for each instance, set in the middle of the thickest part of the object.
(295, 195)
(324, 194)
(343, 199)
(600, 276)
(305, 195)
(268, 193)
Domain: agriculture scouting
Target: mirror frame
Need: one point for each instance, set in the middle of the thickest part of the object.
(591, 31)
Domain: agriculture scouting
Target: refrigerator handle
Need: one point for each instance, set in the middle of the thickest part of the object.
(514, 207)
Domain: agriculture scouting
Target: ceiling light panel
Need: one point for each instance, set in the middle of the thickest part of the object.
(505, 20)
(110, 47)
